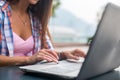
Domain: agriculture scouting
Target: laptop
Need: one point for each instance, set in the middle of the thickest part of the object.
(103, 54)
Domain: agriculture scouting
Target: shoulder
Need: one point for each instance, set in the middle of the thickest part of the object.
(2, 3)
(3, 7)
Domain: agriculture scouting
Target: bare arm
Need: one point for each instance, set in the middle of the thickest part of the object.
(44, 54)
(6, 61)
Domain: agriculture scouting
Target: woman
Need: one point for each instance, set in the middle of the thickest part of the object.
(23, 33)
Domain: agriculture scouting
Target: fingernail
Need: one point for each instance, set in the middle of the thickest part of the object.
(56, 61)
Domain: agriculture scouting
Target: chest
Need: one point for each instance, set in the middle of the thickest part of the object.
(21, 26)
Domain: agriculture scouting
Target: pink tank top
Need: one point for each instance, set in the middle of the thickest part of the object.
(22, 47)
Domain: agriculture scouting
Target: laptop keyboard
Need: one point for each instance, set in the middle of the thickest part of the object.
(62, 69)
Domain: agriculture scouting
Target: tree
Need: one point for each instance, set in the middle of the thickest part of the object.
(56, 4)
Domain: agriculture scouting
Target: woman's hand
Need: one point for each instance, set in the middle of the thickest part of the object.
(74, 54)
(44, 54)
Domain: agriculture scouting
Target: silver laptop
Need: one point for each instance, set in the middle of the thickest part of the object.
(103, 54)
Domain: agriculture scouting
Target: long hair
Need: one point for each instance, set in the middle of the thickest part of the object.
(42, 10)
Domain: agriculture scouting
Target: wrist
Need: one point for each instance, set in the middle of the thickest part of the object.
(61, 55)
(30, 60)
(27, 60)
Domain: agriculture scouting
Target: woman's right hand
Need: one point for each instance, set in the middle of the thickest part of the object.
(44, 54)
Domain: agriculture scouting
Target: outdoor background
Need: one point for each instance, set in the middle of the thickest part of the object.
(74, 22)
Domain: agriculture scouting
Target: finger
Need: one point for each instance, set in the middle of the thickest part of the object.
(79, 53)
(70, 56)
(50, 58)
(53, 53)
(47, 56)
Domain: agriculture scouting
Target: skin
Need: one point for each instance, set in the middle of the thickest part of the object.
(19, 29)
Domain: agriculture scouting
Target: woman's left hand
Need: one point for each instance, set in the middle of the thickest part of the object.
(74, 54)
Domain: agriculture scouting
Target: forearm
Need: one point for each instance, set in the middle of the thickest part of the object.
(7, 61)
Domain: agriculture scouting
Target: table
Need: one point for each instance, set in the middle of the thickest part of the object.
(14, 73)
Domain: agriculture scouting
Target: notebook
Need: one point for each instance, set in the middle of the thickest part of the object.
(103, 54)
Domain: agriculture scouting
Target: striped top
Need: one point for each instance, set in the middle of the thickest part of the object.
(6, 35)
